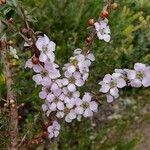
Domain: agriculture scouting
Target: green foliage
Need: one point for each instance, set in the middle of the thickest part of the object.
(65, 22)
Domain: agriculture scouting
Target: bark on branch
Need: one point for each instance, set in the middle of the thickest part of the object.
(11, 97)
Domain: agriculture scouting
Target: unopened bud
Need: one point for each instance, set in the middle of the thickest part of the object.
(45, 134)
(91, 22)
(12, 101)
(10, 42)
(25, 30)
(105, 14)
(114, 6)
(2, 1)
(88, 39)
(19, 117)
(11, 20)
(35, 60)
(13, 105)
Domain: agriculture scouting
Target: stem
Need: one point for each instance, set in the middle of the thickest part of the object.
(10, 96)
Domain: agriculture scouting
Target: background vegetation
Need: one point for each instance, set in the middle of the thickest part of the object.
(122, 125)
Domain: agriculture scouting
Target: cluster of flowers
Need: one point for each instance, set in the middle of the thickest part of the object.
(60, 95)
(138, 77)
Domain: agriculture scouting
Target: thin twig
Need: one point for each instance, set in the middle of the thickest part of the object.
(10, 96)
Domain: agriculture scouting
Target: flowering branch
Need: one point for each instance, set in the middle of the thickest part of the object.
(90, 39)
(60, 93)
(136, 78)
(11, 98)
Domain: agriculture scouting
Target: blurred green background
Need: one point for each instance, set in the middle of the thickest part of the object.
(122, 125)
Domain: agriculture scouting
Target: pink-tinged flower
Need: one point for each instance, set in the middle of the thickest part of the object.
(54, 130)
(140, 76)
(46, 47)
(103, 31)
(36, 67)
(52, 70)
(89, 105)
(86, 106)
(111, 83)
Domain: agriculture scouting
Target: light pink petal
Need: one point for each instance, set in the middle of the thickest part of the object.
(106, 37)
(60, 105)
(37, 68)
(88, 113)
(120, 83)
(107, 78)
(50, 97)
(114, 91)
(87, 97)
(67, 119)
(72, 115)
(93, 106)
(105, 88)
(79, 82)
(43, 57)
(109, 98)
(37, 78)
(71, 87)
(71, 69)
(131, 74)
(136, 83)
(91, 57)
(146, 81)
(139, 66)
(79, 110)
(42, 94)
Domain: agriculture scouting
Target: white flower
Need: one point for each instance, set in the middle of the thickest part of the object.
(111, 83)
(140, 76)
(46, 47)
(102, 30)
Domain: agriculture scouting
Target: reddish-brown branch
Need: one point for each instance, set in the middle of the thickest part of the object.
(10, 95)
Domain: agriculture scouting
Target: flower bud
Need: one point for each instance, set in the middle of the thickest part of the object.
(13, 105)
(114, 6)
(10, 20)
(25, 30)
(19, 117)
(105, 14)
(45, 134)
(2, 1)
(88, 39)
(35, 60)
(12, 101)
(10, 42)
(91, 22)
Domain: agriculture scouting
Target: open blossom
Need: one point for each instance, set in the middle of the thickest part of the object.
(102, 30)
(53, 130)
(46, 47)
(110, 85)
(139, 76)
